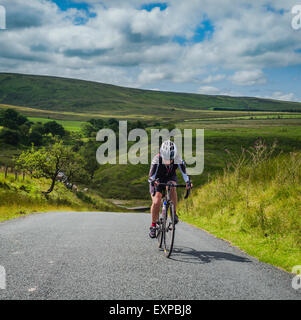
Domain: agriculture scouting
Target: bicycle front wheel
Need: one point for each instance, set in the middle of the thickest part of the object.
(159, 233)
(169, 231)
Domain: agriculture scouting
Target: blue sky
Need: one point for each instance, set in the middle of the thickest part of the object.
(66, 4)
(150, 6)
(234, 47)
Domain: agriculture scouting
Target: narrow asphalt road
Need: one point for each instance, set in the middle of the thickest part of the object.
(110, 256)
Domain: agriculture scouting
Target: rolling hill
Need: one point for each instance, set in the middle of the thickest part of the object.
(69, 95)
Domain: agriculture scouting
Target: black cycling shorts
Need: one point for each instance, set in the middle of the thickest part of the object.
(160, 188)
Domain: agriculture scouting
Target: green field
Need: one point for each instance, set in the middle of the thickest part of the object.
(72, 121)
(253, 116)
(189, 116)
(67, 124)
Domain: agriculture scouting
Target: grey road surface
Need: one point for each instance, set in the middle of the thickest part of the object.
(110, 256)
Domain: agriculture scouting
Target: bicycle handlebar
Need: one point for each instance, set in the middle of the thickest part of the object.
(173, 186)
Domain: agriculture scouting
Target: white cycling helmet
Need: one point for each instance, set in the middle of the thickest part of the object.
(168, 150)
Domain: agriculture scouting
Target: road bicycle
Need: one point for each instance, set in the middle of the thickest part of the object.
(165, 230)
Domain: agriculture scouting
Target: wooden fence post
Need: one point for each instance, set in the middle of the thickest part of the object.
(6, 169)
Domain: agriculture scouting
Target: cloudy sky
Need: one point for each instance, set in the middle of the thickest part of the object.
(231, 47)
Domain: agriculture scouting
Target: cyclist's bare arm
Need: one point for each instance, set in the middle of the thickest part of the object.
(182, 167)
(153, 169)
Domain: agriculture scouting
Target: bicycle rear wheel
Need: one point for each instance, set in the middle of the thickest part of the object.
(169, 231)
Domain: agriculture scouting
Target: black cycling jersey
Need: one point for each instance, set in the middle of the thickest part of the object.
(164, 173)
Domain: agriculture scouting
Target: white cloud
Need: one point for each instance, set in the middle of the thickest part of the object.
(213, 78)
(248, 78)
(247, 36)
(209, 90)
(279, 95)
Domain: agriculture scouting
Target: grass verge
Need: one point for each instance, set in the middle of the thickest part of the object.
(19, 198)
(256, 206)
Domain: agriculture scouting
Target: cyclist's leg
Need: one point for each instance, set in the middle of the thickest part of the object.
(155, 209)
(173, 194)
(174, 198)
